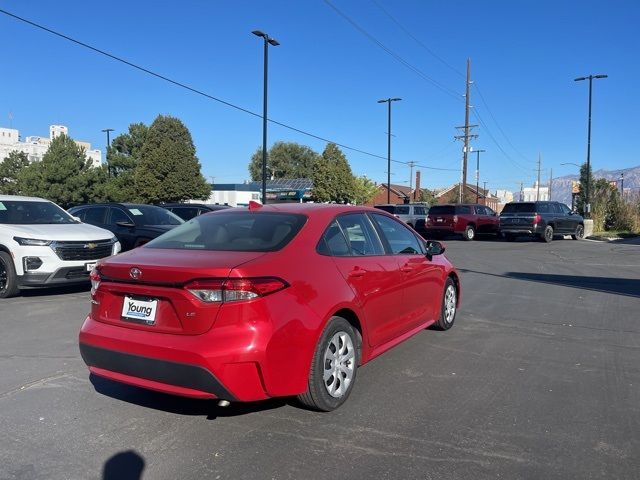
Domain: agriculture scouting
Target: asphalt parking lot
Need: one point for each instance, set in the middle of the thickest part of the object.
(539, 378)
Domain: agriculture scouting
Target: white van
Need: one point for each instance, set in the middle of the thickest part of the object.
(41, 245)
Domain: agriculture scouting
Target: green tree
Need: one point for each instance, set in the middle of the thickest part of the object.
(364, 190)
(428, 196)
(168, 169)
(581, 196)
(332, 177)
(10, 169)
(123, 156)
(65, 175)
(284, 160)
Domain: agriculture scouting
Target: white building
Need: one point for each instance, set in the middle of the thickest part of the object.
(504, 196)
(35, 147)
(530, 194)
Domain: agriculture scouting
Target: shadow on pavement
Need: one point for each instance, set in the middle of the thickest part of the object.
(51, 291)
(123, 466)
(621, 286)
(180, 405)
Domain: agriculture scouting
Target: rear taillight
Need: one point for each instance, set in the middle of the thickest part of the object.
(455, 219)
(537, 219)
(94, 276)
(234, 289)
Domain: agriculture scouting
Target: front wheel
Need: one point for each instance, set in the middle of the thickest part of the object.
(8, 277)
(579, 235)
(449, 306)
(469, 233)
(333, 368)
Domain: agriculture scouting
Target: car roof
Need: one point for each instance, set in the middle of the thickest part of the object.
(117, 204)
(19, 198)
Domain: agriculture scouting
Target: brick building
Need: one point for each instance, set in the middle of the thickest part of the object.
(452, 195)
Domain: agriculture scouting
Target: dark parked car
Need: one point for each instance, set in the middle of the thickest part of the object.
(466, 219)
(187, 211)
(540, 219)
(133, 224)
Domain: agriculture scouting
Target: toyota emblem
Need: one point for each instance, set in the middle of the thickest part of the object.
(135, 273)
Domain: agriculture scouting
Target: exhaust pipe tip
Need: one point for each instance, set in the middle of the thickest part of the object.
(224, 403)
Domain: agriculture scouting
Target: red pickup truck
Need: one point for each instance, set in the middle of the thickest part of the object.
(466, 219)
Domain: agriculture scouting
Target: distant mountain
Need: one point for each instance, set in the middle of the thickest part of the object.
(561, 186)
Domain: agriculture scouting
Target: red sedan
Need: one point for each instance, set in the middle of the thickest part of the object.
(269, 301)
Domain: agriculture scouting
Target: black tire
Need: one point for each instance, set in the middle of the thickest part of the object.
(579, 235)
(317, 396)
(547, 235)
(469, 233)
(509, 237)
(8, 277)
(445, 321)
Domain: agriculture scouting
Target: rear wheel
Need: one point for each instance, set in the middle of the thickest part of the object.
(8, 277)
(547, 236)
(449, 306)
(579, 235)
(469, 233)
(333, 368)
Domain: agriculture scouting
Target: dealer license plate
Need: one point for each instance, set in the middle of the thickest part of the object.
(89, 266)
(141, 310)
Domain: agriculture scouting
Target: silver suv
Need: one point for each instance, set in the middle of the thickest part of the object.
(409, 213)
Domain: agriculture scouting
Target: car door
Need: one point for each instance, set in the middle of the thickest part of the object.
(571, 221)
(493, 222)
(481, 220)
(560, 219)
(420, 276)
(95, 215)
(373, 275)
(123, 226)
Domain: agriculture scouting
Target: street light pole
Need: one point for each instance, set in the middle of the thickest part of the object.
(587, 186)
(106, 154)
(267, 41)
(388, 101)
(478, 175)
(622, 185)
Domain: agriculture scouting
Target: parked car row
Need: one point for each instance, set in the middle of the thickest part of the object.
(541, 219)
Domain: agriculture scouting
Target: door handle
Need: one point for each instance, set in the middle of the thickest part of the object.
(406, 269)
(357, 272)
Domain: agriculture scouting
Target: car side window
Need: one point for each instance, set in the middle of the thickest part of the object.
(463, 209)
(419, 210)
(543, 208)
(566, 210)
(78, 213)
(94, 215)
(490, 212)
(399, 238)
(118, 215)
(362, 237)
(333, 242)
(480, 210)
(403, 210)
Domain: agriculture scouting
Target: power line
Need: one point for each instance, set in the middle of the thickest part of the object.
(497, 124)
(187, 87)
(411, 67)
(405, 30)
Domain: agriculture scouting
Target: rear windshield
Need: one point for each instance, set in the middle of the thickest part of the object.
(13, 212)
(387, 208)
(519, 208)
(233, 232)
(442, 210)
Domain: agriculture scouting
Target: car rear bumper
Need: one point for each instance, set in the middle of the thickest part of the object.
(155, 374)
(520, 229)
(231, 362)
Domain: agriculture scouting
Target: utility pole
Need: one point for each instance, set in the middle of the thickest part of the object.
(411, 165)
(550, 183)
(478, 152)
(466, 137)
(521, 192)
(106, 155)
(622, 185)
(485, 192)
(538, 182)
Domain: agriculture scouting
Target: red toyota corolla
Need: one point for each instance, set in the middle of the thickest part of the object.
(269, 301)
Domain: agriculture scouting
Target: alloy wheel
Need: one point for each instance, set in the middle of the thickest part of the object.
(580, 232)
(339, 364)
(3, 276)
(450, 304)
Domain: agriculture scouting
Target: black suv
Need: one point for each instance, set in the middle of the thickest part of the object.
(540, 219)
(133, 224)
(187, 211)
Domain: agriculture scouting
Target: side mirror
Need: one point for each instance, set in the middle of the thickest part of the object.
(77, 219)
(434, 248)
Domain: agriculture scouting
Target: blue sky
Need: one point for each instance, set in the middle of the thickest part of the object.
(326, 77)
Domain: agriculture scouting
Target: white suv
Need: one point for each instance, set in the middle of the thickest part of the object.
(42, 245)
